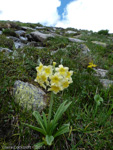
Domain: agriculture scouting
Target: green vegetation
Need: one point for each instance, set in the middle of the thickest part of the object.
(91, 126)
(104, 32)
(9, 32)
(5, 42)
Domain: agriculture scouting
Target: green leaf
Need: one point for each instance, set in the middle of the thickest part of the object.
(38, 145)
(45, 120)
(49, 139)
(51, 127)
(98, 99)
(58, 115)
(35, 128)
(39, 120)
(60, 111)
(63, 129)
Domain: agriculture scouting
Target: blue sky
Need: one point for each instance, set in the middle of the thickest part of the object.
(92, 15)
(62, 7)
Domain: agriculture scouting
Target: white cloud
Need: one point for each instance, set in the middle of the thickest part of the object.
(43, 11)
(88, 14)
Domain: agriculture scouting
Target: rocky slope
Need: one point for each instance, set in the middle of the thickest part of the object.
(22, 46)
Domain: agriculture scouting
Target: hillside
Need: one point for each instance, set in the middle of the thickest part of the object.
(88, 54)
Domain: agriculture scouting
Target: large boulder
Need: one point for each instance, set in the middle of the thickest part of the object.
(76, 40)
(38, 36)
(28, 96)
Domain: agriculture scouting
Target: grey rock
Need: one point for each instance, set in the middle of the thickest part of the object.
(71, 32)
(18, 45)
(76, 40)
(5, 50)
(40, 47)
(23, 39)
(99, 43)
(0, 32)
(38, 36)
(78, 36)
(101, 72)
(15, 39)
(20, 32)
(29, 37)
(28, 96)
(33, 43)
(27, 28)
(85, 49)
(17, 42)
(41, 27)
(106, 83)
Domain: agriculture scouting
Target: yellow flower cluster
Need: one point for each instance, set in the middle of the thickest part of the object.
(91, 65)
(56, 78)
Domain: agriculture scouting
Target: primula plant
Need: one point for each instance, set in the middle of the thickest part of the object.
(54, 79)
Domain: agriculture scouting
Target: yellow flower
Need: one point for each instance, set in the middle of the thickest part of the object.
(55, 88)
(62, 70)
(65, 84)
(43, 77)
(69, 74)
(48, 70)
(40, 68)
(42, 85)
(56, 78)
(91, 65)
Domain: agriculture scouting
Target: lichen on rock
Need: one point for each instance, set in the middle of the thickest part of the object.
(28, 96)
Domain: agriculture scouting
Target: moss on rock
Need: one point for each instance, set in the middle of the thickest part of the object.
(28, 96)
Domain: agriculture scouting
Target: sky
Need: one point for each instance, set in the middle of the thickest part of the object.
(89, 15)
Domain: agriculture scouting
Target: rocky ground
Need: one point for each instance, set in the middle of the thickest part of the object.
(23, 45)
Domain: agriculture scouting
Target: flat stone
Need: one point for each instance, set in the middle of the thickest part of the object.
(41, 27)
(76, 40)
(38, 36)
(99, 43)
(28, 96)
(27, 28)
(106, 83)
(101, 72)
(71, 32)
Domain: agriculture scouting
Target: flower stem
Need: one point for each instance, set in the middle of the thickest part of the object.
(50, 107)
